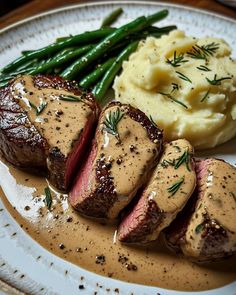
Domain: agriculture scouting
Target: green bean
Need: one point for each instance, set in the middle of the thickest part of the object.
(78, 66)
(61, 59)
(137, 25)
(83, 38)
(112, 17)
(101, 88)
(95, 75)
(151, 19)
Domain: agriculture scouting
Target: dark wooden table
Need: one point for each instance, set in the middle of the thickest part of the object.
(36, 6)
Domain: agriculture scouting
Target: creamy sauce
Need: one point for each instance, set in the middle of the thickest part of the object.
(166, 176)
(90, 244)
(131, 154)
(219, 202)
(59, 129)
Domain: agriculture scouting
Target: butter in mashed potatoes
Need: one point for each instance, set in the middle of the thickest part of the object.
(187, 85)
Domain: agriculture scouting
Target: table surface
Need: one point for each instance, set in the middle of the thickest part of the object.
(36, 6)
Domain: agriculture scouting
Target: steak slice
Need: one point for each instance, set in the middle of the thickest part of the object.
(45, 126)
(171, 185)
(126, 148)
(208, 231)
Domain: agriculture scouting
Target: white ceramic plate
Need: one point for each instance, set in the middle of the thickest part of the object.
(18, 253)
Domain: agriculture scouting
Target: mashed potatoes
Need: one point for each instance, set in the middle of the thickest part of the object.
(187, 85)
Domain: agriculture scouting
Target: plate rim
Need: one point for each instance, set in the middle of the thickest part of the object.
(110, 2)
(54, 11)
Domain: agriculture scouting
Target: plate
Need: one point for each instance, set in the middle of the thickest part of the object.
(19, 263)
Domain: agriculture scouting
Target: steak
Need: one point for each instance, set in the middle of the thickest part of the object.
(208, 231)
(125, 150)
(171, 185)
(46, 124)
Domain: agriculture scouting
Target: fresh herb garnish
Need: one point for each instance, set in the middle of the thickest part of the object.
(183, 77)
(111, 122)
(177, 60)
(70, 98)
(175, 87)
(184, 158)
(38, 109)
(205, 96)
(233, 195)
(166, 163)
(217, 81)
(174, 99)
(21, 116)
(48, 197)
(199, 228)
(203, 68)
(202, 52)
(151, 119)
(175, 187)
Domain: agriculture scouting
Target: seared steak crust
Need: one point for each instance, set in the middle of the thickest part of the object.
(96, 196)
(204, 230)
(22, 143)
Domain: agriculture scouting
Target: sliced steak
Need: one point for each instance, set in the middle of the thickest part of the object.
(126, 148)
(172, 183)
(208, 231)
(45, 126)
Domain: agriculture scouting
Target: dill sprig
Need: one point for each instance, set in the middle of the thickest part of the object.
(111, 122)
(177, 60)
(202, 52)
(199, 228)
(183, 159)
(174, 99)
(203, 68)
(71, 98)
(48, 197)
(153, 122)
(183, 77)
(175, 187)
(166, 163)
(205, 96)
(216, 81)
(38, 109)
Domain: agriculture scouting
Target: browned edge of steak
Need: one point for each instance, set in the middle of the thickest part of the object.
(20, 142)
(61, 168)
(142, 218)
(98, 202)
(213, 236)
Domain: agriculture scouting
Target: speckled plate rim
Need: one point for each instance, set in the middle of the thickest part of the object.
(109, 284)
(102, 3)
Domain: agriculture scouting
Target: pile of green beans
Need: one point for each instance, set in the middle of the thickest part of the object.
(92, 58)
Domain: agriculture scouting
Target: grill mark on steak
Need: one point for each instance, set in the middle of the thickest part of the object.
(24, 145)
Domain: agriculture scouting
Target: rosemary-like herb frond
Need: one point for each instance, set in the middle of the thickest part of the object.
(174, 99)
(199, 228)
(175, 187)
(166, 163)
(205, 96)
(112, 120)
(151, 119)
(71, 98)
(202, 52)
(177, 60)
(38, 109)
(203, 68)
(48, 197)
(175, 87)
(183, 159)
(183, 77)
(216, 81)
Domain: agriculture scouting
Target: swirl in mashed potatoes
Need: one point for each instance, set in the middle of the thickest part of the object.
(187, 85)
